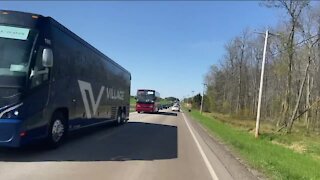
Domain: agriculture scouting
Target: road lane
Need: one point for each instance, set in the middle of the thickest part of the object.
(150, 146)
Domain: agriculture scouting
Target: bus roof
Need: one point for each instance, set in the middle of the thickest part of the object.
(30, 20)
(146, 90)
(155, 92)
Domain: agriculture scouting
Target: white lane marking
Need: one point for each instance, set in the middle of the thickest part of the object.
(205, 158)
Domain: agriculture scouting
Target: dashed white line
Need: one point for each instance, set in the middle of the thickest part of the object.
(205, 158)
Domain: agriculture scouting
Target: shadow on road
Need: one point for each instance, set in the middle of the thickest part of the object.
(164, 113)
(132, 141)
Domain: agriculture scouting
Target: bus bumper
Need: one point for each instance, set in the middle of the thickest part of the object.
(143, 109)
(10, 132)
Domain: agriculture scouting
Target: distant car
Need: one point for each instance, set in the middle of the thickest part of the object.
(175, 108)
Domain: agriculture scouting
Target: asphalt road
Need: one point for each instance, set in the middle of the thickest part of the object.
(150, 146)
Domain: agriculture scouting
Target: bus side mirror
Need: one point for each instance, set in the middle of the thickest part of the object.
(47, 58)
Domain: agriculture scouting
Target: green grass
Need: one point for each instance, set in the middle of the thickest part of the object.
(132, 104)
(276, 161)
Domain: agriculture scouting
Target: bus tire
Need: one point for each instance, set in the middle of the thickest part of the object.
(57, 130)
(119, 117)
(123, 117)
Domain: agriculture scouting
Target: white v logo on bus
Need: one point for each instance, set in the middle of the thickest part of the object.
(85, 86)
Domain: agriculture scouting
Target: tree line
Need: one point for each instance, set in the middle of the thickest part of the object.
(291, 90)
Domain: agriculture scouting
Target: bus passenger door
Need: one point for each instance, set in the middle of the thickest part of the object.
(38, 90)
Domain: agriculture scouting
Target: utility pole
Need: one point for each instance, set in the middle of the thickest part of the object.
(261, 84)
(192, 98)
(204, 84)
(188, 101)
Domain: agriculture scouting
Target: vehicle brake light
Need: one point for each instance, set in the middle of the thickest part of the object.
(23, 134)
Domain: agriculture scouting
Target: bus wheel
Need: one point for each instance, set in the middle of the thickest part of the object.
(123, 117)
(57, 130)
(119, 117)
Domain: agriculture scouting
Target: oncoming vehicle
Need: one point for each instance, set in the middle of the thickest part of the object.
(175, 107)
(52, 82)
(147, 101)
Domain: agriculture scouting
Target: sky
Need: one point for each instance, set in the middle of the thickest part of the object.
(167, 46)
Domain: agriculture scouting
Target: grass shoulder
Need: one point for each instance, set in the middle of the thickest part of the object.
(132, 104)
(271, 154)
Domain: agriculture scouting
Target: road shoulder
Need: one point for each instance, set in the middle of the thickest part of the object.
(229, 159)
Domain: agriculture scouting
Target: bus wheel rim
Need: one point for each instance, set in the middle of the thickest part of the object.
(119, 119)
(57, 130)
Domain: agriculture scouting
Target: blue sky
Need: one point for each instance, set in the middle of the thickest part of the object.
(167, 46)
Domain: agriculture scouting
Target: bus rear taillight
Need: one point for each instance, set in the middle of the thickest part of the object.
(22, 134)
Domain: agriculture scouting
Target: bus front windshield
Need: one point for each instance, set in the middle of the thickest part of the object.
(15, 50)
(145, 96)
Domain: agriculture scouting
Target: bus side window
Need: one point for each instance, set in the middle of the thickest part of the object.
(40, 73)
